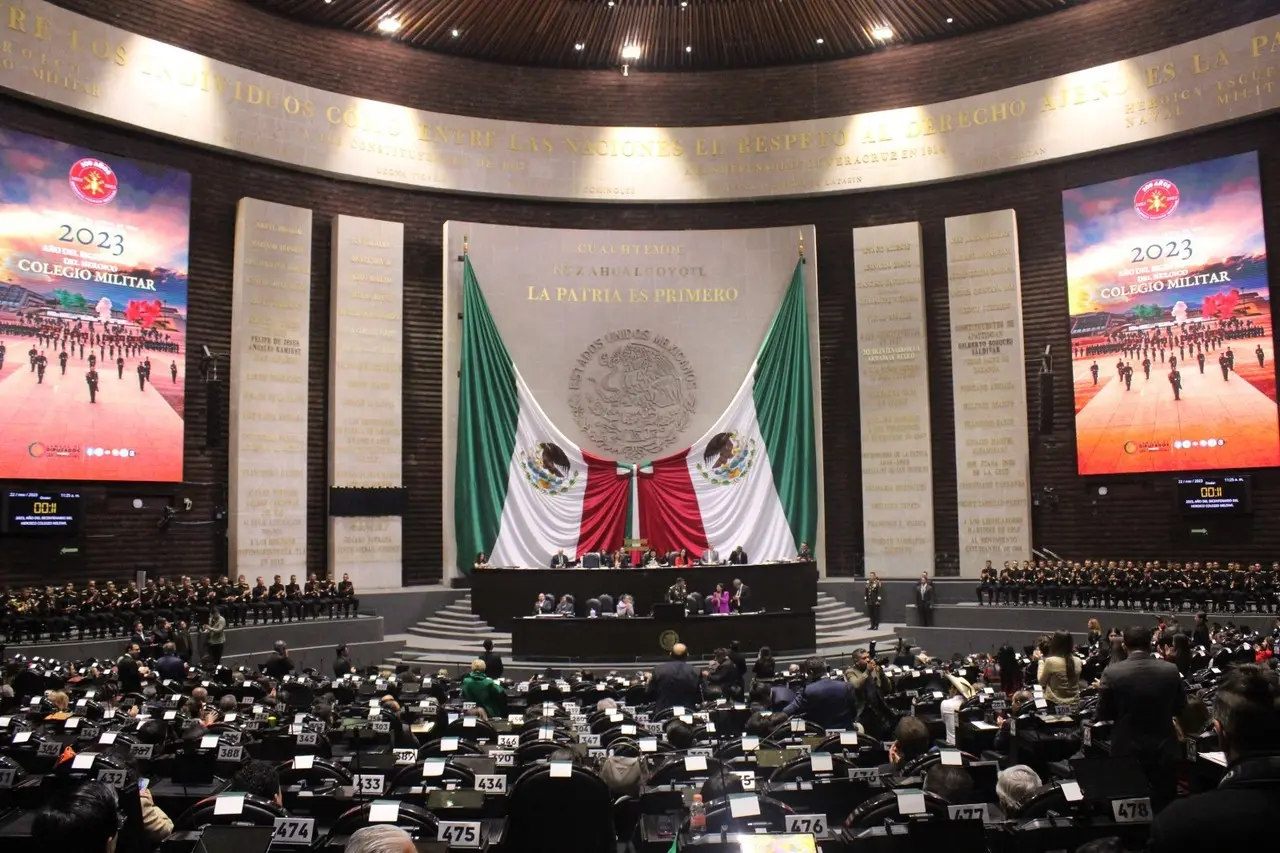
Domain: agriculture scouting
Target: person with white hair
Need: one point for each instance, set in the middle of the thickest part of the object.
(607, 704)
(382, 838)
(1014, 787)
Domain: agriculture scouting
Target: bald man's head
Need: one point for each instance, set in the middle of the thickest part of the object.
(679, 651)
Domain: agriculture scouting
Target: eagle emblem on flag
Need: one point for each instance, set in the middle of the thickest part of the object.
(727, 459)
(548, 469)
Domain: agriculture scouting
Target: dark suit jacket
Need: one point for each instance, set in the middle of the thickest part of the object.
(1141, 694)
(827, 702)
(559, 561)
(492, 664)
(1234, 816)
(924, 595)
(674, 683)
(738, 558)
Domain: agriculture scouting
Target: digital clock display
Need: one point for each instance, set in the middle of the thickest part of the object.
(44, 513)
(1226, 494)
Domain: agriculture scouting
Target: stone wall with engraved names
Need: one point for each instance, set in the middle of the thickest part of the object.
(270, 334)
(92, 67)
(366, 373)
(988, 374)
(893, 390)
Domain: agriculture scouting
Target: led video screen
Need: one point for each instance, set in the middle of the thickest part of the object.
(93, 313)
(1172, 356)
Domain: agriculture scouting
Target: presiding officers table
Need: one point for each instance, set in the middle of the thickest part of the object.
(499, 595)
(611, 639)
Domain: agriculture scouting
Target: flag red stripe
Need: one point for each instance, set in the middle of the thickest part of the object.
(670, 518)
(604, 506)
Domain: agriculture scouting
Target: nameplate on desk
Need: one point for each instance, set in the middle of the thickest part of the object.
(503, 758)
(405, 756)
(113, 777)
(459, 833)
(815, 824)
(294, 830)
(141, 751)
(588, 739)
(382, 727)
(973, 811)
(1131, 810)
(367, 785)
(304, 762)
(230, 753)
(495, 783)
(508, 741)
(747, 778)
(307, 739)
(47, 749)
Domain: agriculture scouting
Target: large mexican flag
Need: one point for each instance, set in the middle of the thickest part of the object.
(522, 490)
(751, 480)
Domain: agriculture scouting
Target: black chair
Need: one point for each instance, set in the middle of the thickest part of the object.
(673, 771)
(471, 728)
(547, 815)
(538, 750)
(435, 749)
(784, 734)
(606, 605)
(1042, 801)
(417, 821)
(412, 775)
(321, 773)
(772, 817)
(800, 769)
(883, 808)
(256, 812)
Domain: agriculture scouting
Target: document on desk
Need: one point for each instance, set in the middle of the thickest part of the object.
(981, 725)
(1215, 757)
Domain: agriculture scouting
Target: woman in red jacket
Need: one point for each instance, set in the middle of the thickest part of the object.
(683, 559)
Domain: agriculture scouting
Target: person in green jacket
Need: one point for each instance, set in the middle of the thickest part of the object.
(483, 690)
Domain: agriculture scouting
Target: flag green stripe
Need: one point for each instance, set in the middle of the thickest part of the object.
(783, 394)
(488, 412)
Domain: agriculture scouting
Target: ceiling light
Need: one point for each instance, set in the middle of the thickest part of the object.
(819, 41)
(578, 46)
(456, 33)
(684, 4)
(631, 51)
(688, 48)
(882, 33)
(950, 20)
(610, 4)
(389, 24)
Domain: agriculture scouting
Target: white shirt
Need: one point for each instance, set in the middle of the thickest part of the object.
(950, 708)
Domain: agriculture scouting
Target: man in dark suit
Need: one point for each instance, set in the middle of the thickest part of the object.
(492, 661)
(825, 701)
(559, 560)
(674, 683)
(741, 596)
(1142, 694)
(738, 557)
(1240, 811)
(924, 600)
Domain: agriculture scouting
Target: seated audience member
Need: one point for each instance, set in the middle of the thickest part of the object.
(825, 701)
(1004, 735)
(279, 664)
(724, 681)
(1240, 812)
(953, 784)
(565, 607)
(380, 838)
(61, 705)
(626, 607)
(85, 818)
(259, 779)
(910, 740)
(765, 666)
(679, 735)
(484, 691)
(1014, 785)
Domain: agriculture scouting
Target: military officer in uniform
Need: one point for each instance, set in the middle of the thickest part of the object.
(873, 595)
(91, 379)
(62, 361)
(120, 367)
(987, 584)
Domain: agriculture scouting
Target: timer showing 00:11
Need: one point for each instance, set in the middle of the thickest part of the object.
(88, 237)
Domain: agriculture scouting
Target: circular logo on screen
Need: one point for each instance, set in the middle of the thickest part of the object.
(93, 181)
(1156, 199)
(668, 640)
(35, 450)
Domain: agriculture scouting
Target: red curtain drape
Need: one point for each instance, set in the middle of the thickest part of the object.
(670, 518)
(604, 506)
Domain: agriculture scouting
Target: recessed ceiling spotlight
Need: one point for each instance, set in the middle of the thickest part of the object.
(688, 48)
(389, 24)
(819, 41)
(951, 20)
(578, 45)
(882, 33)
(610, 4)
(684, 4)
(455, 32)
(631, 51)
